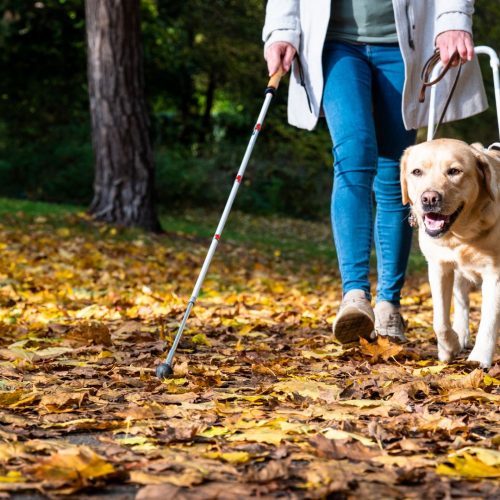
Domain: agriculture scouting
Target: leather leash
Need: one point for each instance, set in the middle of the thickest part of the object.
(426, 82)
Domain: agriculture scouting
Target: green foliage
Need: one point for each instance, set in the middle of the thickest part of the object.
(205, 76)
(43, 67)
(56, 167)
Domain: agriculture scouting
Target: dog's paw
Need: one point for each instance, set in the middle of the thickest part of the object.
(449, 346)
(464, 342)
(480, 357)
(463, 338)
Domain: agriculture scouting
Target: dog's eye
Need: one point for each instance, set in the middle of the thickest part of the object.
(454, 171)
(416, 172)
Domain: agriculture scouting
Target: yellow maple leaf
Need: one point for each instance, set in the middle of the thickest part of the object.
(467, 465)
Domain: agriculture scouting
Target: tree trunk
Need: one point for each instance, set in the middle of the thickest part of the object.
(124, 167)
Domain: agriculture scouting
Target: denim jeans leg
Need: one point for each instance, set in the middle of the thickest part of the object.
(392, 231)
(347, 103)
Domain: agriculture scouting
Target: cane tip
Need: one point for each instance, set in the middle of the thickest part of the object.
(164, 371)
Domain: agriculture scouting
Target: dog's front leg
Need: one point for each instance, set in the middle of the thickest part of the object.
(461, 289)
(441, 281)
(486, 340)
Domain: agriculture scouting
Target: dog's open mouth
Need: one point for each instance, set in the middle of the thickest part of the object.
(437, 224)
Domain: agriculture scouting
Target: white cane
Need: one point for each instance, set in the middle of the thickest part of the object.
(165, 370)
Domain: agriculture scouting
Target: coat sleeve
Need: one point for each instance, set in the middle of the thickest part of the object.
(453, 15)
(282, 23)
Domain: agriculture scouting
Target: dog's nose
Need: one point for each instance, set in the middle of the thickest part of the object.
(431, 199)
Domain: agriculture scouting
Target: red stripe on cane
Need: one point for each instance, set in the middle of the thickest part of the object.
(258, 126)
(238, 178)
(217, 237)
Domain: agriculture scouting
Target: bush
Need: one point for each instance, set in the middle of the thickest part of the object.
(56, 168)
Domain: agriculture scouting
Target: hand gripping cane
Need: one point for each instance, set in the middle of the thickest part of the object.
(164, 370)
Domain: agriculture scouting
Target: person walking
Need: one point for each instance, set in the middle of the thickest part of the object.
(359, 63)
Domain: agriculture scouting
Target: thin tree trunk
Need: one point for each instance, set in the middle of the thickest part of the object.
(124, 167)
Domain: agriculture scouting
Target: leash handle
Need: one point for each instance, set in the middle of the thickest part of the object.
(426, 74)
(429, 66)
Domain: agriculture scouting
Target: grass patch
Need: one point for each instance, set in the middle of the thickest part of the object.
(12, 206)
(292, 239)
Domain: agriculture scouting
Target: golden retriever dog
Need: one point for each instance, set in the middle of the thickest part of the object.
(454, 192)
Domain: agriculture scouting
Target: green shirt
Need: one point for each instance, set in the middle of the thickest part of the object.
(362, 21)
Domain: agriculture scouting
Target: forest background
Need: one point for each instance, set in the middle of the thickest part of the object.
(204, 77)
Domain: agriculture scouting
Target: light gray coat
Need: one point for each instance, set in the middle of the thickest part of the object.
(304, 23)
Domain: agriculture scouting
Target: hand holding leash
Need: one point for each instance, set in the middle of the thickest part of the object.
(455, 41)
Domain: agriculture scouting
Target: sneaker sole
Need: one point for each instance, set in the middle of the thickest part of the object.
(350, 328)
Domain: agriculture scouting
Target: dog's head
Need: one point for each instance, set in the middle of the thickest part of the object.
(443, 180)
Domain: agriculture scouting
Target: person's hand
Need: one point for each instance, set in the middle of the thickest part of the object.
(279, 53)
(453, 41)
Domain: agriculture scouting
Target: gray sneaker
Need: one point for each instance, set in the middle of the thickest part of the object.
(355, 318)
(389, 322)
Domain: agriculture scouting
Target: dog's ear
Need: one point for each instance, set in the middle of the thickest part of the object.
(404, 183)
(487, 173)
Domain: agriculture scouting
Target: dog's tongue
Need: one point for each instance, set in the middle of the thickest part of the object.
(435, 221)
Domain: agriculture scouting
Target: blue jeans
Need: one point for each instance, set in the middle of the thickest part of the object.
(362, 105)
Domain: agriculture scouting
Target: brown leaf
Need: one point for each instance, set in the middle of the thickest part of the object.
(14, 399)
(383, 348)
(337, 450)
(188, 477)
(62, 401)
(472, 380)
(89, 333)
(135, 412)
(274, 469)
(462, 394)
(158, 492)
(72, 468)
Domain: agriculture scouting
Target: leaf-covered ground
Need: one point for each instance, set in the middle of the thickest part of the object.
(263, 402)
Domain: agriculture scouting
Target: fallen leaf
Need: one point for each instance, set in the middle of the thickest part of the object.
(330, 433)
(463, 394)
(74, 467)
(187, 478)
(486, 455)
(428, 370)
(272, 470)
(232, 457)
(88, 333)
(405, 462)
(12, 476)
(261, 435)
(62, 401)
(158, 492)
(309, 388)
(383, 348)
(467, 465)
(200, 339)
